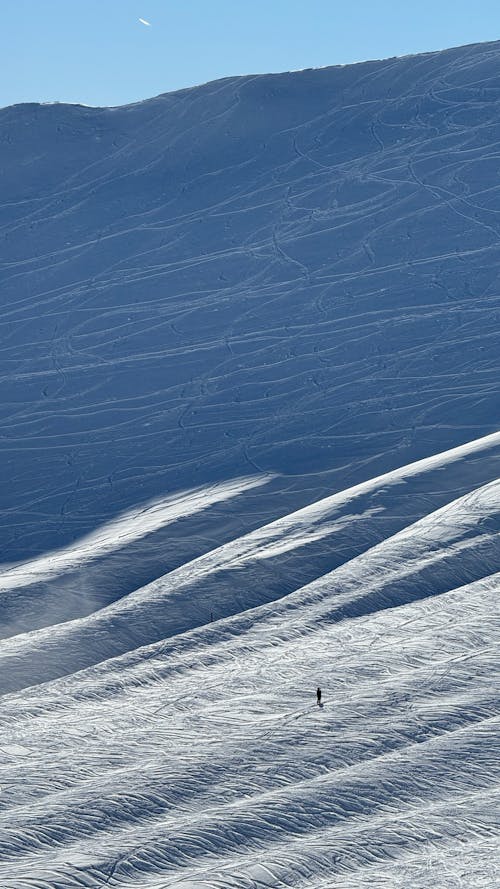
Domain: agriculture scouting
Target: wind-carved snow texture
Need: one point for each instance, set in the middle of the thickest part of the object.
(250, 390)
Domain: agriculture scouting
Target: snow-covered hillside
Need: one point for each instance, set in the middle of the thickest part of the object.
(250, 367)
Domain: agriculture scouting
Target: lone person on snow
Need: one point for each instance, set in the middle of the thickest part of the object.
(318, 695)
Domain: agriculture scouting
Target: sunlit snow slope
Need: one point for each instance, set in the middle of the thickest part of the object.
(250, 377)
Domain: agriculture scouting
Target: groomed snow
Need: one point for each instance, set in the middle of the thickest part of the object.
(250, 376)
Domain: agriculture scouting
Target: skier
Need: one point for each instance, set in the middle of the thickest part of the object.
(318, 695)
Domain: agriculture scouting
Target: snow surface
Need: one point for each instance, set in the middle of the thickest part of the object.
(250, 386)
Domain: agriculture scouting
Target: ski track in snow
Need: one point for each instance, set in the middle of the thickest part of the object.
(249, 357)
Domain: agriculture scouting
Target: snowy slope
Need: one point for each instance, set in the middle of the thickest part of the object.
(292, 273)
(250, 361)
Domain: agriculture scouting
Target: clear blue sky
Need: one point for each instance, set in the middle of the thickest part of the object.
(97, 52)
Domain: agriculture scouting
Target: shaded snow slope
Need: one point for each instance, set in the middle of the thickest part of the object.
(250, 387)
(292, 273)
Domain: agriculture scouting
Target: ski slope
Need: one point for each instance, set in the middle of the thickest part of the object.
(250, 445)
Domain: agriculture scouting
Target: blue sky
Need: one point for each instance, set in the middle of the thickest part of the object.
(97, 52)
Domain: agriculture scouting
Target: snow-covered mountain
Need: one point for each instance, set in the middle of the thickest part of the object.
(250, 367)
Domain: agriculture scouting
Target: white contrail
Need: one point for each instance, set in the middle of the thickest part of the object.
(144, 22)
